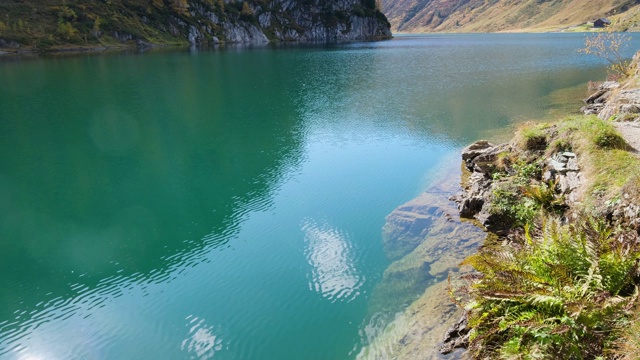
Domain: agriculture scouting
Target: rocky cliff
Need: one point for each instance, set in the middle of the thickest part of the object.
(51, 24)
(498, 15)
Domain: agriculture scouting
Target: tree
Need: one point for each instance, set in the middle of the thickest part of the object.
(246, 13)
(246, 10)
(608, 45)
(95, 30)
(181, 7)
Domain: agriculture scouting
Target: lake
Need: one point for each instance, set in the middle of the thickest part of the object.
(229, 203)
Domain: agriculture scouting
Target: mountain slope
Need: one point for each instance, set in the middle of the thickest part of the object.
(47, 23)
(496, 15)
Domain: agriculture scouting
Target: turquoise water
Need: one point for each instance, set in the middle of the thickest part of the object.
(228, 204)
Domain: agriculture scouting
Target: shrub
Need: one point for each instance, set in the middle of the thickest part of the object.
(525, 172)
(609, 46)
(532, 138)
(508, 203)
(246, 13)
(545, 197)
(512, 199)
(560, 294)
(67, 14)
(66, 31)
(607, 137)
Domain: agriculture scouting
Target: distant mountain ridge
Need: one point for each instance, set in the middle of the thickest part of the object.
(497, 15)
(50, 23)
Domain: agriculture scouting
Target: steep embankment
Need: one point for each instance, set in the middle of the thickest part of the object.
(498, 15)
(559, 276)
(81, 23)
(563, 280)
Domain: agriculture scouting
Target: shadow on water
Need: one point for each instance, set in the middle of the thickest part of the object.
(107, 173)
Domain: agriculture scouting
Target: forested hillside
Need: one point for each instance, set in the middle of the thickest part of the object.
(45, 24)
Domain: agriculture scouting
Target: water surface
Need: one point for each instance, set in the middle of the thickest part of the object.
(228, 204)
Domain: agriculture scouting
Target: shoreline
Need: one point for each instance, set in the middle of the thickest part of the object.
(142, 47)
(418, 332)
(557, 186)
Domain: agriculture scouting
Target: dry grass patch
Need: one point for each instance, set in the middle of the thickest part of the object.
(628, 345)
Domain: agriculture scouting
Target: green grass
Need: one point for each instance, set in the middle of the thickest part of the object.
(607, 162)
(532, 137)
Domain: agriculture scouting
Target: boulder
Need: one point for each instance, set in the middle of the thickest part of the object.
(592, 109)
(481, 156)
(475, 149)
(457, 336)
(624, 102)
(596, 102)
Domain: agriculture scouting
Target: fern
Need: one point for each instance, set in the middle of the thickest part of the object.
(555, 292)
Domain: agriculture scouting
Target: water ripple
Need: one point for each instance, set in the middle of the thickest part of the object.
(201, 342)
(333, 272)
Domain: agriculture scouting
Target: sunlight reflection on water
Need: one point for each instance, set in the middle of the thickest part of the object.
(333, 272)
(201, 342)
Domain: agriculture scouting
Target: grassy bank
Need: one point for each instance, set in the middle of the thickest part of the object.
(564, 282)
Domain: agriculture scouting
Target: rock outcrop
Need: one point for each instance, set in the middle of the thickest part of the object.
(289, 20)
(560, 169)
(457, 336)
(617, 101)
(86, 23)
(597, 101)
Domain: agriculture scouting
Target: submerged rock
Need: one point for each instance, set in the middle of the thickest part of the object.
(427, 239)
(457, 336)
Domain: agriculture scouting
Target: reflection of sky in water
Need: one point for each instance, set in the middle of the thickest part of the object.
(330, 254)
(201, 343)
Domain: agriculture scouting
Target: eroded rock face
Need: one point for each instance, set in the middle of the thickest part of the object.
(287, 20)
(614, 99)
(203, 23)
(624, 103)
(479, 158)
(242, 32)
(8, 44)
(561, 169)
